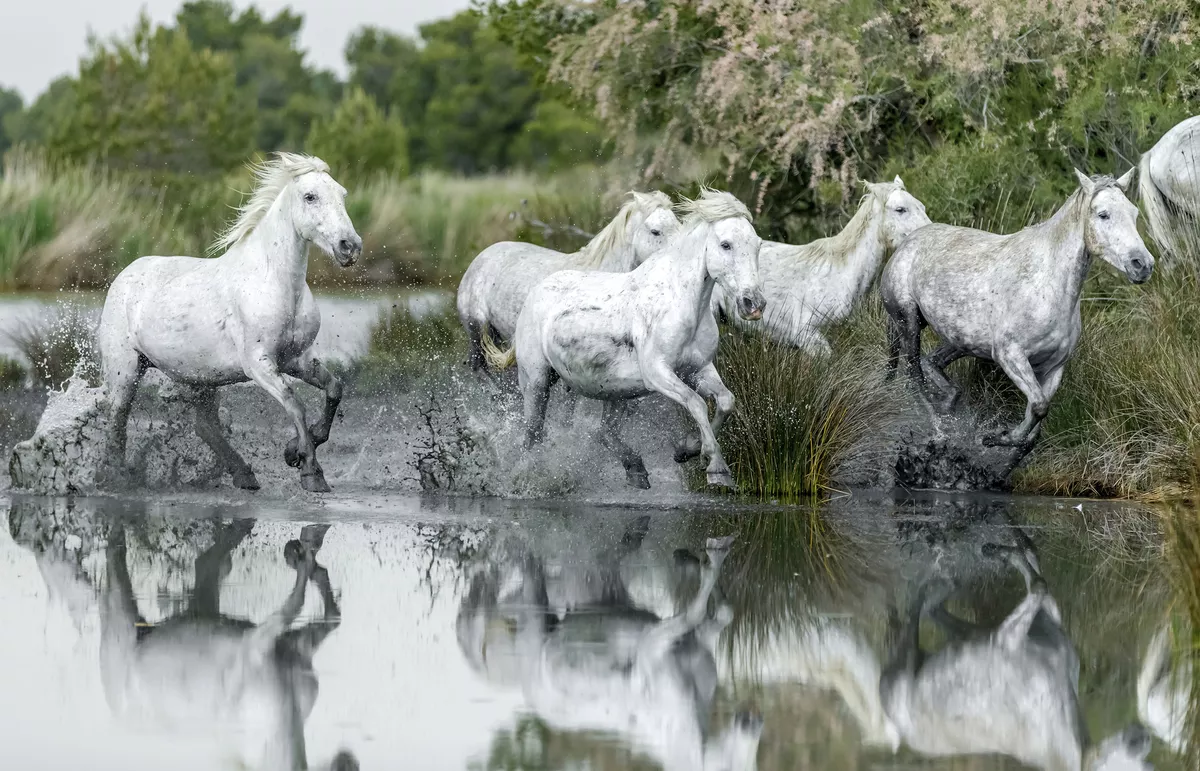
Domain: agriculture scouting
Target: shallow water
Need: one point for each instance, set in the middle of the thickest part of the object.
(429, 665)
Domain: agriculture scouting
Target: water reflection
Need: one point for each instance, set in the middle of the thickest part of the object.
(941, 633)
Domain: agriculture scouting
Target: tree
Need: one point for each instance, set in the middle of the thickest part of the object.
(558, 137)
(270, 67)
(11, 105)
(359, 139)
(155, 103)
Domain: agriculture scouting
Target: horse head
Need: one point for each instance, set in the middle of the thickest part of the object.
(1110, 225)
(901, 211)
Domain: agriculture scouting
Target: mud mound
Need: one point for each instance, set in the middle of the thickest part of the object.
(66, 453)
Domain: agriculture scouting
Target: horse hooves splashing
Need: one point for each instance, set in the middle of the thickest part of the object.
(314, 482)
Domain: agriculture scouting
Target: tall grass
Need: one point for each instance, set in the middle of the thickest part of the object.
(78, 226)
(798, 418)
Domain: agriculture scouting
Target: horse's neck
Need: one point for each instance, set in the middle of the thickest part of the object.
(865, 252)
(1067, 258)
(686, 261)
(619, 259)
(277, 252)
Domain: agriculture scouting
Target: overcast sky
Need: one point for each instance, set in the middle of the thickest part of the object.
(42, 39)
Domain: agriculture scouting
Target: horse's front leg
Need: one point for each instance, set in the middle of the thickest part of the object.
(708, 385)
(263, 371)
(312, 371)
(660, 377)
(934, 369)
(1016, 365)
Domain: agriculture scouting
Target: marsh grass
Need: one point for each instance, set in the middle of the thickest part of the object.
(404, 347)
(798, 418)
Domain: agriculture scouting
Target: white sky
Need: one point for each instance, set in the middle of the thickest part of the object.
(42, 39)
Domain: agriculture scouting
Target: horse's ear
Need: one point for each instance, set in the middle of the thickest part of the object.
(1085, 182)
(898, 182)
(1125, 179)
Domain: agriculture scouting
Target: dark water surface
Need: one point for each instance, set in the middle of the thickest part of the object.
(487, 634)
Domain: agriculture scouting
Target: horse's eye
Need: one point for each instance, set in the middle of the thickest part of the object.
(1103, 215)
(655, 233)
(901, 209)
(726, 245)
(310, 197)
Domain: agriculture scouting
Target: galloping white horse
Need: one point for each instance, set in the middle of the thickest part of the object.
(817, 283)
(622, 336)
(246, 315)
(1169, 183)
(495, 285)
(1013, 299)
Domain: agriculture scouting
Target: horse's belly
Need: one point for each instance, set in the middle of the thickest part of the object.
(600, 377)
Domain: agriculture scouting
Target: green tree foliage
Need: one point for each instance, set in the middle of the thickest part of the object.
(11, 105)
(288, 94)
(359, 139)
(470, 101)
(33, 124)
(804, 98)
(155, 103)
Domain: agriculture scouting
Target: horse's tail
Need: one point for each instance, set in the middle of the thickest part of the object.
(1158, 212)
(1156, 665)
(497, 358)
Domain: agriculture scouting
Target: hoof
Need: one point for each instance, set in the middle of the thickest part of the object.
(686, 450)
(314, 482)
(638, 479)
(992, 551)
(717, 550)
(245, 480)
(721, 479)
(291, 453)
(748, 722)
(293, 553)
(312, 536)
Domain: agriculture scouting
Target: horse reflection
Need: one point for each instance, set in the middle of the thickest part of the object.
(588, 659)
(1164, 691)
(1011, 691)
(201, 671)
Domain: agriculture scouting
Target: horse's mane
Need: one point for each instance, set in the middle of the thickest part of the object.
(270, 179)
(712, 206)
(616, 231)
(837, 248)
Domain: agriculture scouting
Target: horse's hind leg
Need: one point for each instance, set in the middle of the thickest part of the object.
(208, 428)
(123, 370)
(935, 369)
(312, 371)
(263, 371)
(475, 358)
(536, 379)
(610, 437)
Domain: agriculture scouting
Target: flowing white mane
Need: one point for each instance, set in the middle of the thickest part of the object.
(270, 179)
(712, 206)
(616, 232)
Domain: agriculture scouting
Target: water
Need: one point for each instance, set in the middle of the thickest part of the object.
(421, 582)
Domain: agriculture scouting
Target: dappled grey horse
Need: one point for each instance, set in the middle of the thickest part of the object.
(1169, 186)
(1012, 299)
(1012, 690)
(606, 665)
(251, 685)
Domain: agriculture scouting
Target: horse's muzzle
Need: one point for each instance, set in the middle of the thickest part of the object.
(1139, 268)
(348, 250)
(751, 307)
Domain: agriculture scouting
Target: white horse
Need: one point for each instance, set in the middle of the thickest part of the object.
(495, 285)
(1013, 299)
(1012, 690)
(818, 283)
(1169, 184)
(246, 315)
(615, 337)
(1164, 692)
(200, 672)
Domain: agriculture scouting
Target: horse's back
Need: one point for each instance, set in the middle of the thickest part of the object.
(1173, 162)
(495, 284)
